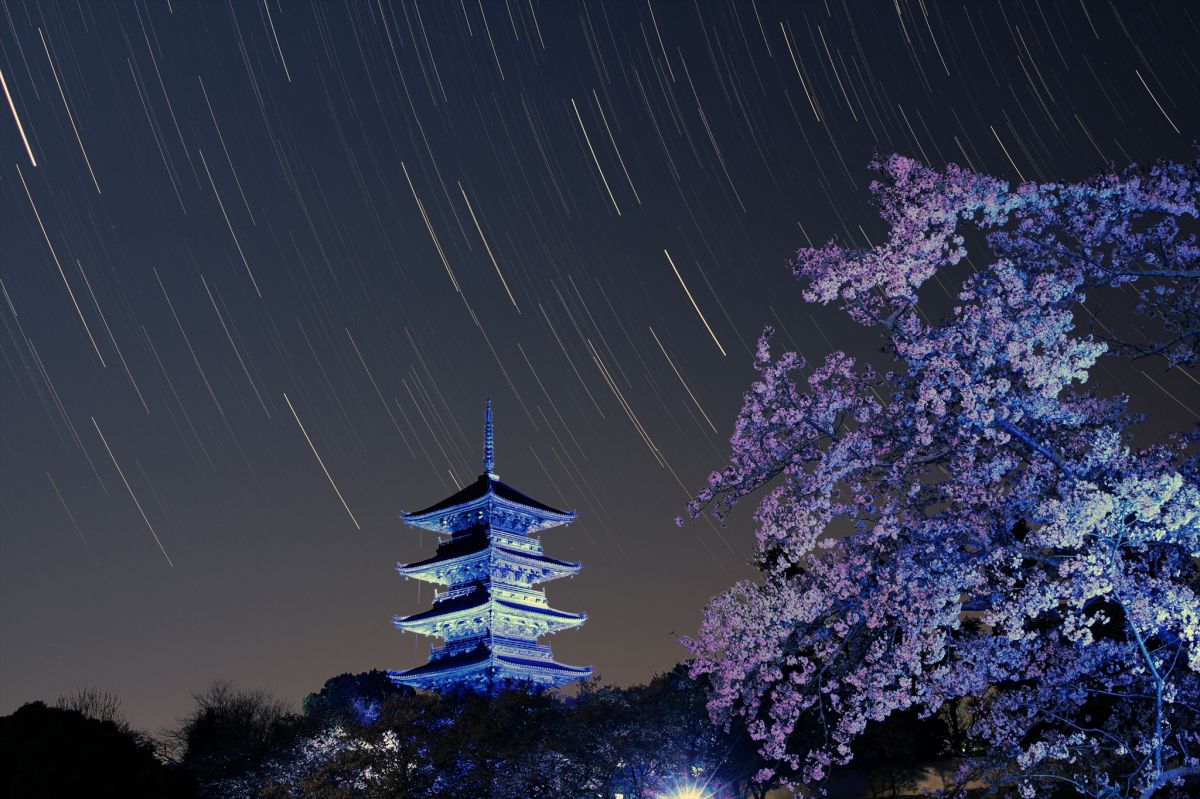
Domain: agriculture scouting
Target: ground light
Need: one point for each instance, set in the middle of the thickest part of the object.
(687, 792)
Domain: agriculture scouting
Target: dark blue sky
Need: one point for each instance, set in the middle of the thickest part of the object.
(386, 211)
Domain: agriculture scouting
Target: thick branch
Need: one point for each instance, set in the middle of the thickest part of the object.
(1168, 776)
(1037, 446)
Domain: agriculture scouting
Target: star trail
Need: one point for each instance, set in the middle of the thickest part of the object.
(261, 262)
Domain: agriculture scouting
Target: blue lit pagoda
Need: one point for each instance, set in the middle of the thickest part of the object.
(490, 615)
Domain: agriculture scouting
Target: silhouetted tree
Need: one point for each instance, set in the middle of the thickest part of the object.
(893, 751)
(49, 752)
(232, 731)
(95, 703)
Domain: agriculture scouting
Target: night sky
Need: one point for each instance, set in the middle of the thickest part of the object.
(256, 233)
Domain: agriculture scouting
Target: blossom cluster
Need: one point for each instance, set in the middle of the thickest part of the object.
(975, 526)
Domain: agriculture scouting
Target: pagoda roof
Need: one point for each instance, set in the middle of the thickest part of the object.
(479, 598)
(541, 611)
(488, 485)
(539, 558)
(457, 547)
(549, 665)
(465, 547)
(456, 661)
(482, 655)
(446, 607)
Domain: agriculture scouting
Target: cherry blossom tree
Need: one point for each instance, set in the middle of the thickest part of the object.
(976, 517)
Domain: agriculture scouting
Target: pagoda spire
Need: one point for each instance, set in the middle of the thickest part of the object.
(489, 449)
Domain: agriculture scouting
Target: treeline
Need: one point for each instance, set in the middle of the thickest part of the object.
(361, 736)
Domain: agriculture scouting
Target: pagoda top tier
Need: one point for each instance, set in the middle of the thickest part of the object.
(488, 502)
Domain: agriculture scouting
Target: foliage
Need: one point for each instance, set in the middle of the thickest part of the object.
(230, 731)
(646, 738)
(977, 525)
(639, 741)
(352, 698)
(644, 742)
(53, 753)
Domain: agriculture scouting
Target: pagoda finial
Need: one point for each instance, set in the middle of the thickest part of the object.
(489, 450)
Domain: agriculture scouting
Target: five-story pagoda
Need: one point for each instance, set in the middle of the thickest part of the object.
(490, 616)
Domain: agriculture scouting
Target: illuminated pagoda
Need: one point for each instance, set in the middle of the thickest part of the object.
(490, 615)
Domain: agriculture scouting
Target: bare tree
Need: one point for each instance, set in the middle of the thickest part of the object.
(230, 730)
(96, 703)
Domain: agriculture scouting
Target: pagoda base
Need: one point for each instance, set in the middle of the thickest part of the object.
(488, 672)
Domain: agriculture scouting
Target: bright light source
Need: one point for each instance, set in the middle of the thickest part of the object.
(687, 792)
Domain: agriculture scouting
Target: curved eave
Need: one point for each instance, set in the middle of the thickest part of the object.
(435, 520)
(426, 569)
(434, 672)
(555, 620)
(554, 574)
(426, 623)
(480, 493)
(546, 666)
(552, 519)
(426, 626)
(422, 572)
(550, 613)
(552, 567)
(442, 667)
(558, 626)
(452, 609)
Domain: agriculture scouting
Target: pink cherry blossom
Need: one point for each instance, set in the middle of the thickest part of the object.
(976, 525)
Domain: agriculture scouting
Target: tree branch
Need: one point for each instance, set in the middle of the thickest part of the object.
(1168, 776)
(1037, 446)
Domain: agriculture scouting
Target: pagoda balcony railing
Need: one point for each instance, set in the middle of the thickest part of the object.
(521, 647)
(455, 648)
(515, 592)
(518, 541)
(499, 644)
(462, 590)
